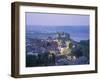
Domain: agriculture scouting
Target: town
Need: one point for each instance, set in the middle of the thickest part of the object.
(58, 50)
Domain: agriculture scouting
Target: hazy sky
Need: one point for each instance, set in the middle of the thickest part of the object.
(56, 19)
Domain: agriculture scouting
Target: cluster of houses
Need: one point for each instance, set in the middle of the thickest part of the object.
(59, 46)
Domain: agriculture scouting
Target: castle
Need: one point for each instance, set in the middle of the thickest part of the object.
(64, 43)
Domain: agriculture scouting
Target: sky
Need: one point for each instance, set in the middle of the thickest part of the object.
(48, 19)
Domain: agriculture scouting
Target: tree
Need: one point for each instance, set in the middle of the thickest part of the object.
(77, 52)
(31, 60)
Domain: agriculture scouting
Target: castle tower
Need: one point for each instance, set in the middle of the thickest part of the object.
(64, 43)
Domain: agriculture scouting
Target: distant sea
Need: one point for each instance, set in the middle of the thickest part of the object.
(76, 32)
